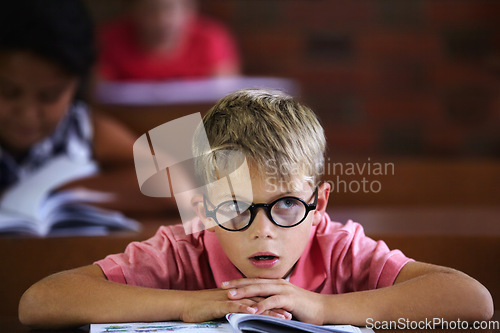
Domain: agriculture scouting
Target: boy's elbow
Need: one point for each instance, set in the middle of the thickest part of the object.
(485, 308)
(477, 302)
(32, 308)
(467, 298)
(28, 306)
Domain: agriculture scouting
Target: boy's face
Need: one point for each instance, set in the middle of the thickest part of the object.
(34, 97)
(265, 250)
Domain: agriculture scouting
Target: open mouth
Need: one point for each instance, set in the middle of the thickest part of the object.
(264, 260)
(259, 258)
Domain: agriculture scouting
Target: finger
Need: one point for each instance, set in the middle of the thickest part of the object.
(274, 313)
(274, 302)
(216, 310)
(247, 281)
(259, 290)
(256, 299)
(284, 313)
(248, 302)
(237, 307)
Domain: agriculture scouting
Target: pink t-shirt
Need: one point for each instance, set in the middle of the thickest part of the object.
(338, 259)
(207, 45)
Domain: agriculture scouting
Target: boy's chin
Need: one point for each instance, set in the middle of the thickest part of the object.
(266, 275)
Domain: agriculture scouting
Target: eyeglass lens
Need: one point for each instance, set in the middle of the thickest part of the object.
(236, 214)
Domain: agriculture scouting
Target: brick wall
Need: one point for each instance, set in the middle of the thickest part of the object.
(387, 77)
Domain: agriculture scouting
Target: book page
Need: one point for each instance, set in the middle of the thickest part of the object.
(268, 324)
(73, 218)
(12, 223)
(162, 327)
(27, 196)
(211, 326)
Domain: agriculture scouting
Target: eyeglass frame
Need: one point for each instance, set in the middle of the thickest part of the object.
(267, 208)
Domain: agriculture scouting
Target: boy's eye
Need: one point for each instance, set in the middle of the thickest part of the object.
(286, 203)
(9, 92)
(234, 206)
(235, 212)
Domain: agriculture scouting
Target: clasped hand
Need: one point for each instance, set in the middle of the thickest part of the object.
(273, 297)
(277, 297)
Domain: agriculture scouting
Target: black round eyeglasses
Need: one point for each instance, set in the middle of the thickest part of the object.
(286, 212)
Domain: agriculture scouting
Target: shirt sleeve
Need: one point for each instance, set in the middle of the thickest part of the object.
(168, 260)
(361, 263)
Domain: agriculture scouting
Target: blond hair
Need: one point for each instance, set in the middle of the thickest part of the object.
(279, 136)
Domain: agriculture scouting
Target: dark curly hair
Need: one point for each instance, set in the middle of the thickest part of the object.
(60, 31)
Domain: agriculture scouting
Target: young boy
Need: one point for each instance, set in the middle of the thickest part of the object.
(276, 253)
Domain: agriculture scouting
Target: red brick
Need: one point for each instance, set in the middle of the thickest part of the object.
(423, 108)
(327, 78)
(383, 44)
(276, 51)
(447, 74)
(221, 9)
(443, 139)
(325, 14)
(451, 13)
(351, 140)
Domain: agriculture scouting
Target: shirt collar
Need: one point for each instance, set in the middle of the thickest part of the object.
(222, 268)
(309, 272)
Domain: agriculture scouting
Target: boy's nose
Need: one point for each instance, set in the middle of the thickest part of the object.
(262, 227)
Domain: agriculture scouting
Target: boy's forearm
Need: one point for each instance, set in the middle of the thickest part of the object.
(74, 298)
(447, 295)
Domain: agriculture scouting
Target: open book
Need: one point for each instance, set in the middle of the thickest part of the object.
(31, 206)
(260, 323)
(236, 322)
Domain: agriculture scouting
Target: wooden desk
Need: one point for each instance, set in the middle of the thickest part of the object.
(467, 239)
(25, 260)
(12, 325)
(141, 119)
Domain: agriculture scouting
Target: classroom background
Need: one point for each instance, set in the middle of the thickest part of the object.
(413, 84)
(388, 77)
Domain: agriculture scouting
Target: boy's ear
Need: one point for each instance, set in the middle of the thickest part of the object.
(197, 203)
(323, 195)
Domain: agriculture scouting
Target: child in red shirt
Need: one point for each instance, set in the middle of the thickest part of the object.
(165, 39)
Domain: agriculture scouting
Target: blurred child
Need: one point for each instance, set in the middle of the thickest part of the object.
(276, 253)
(165, 39)
(46, 54)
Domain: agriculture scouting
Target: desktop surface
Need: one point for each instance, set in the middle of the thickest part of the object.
(25, 260)
(12, 325)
